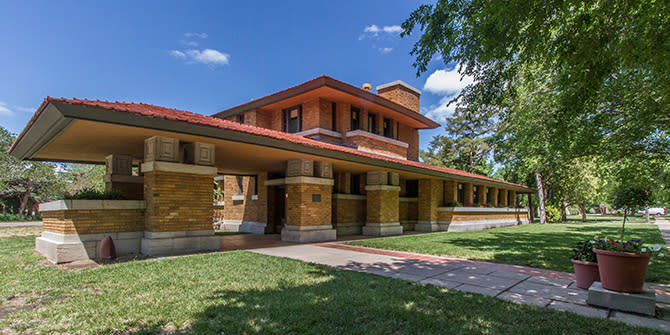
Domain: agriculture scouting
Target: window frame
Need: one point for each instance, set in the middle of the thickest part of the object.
(287, 119)
(355, 111)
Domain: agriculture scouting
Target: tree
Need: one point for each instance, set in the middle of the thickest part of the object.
(631, 198)
(466, 144)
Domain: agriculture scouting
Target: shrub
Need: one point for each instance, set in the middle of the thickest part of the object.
(91, 194)
(553, 214)
(453, 204)
(11, 217)
(584, 252)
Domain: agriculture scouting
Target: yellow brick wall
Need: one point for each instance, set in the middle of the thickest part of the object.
(479, 216)
(301, 211)
(430, 197)
(247, 209)
(349, 211)
(93, 221)
(382, 206)
(178, 201)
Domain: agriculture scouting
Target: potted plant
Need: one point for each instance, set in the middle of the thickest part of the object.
(585, 263)
(623, 265)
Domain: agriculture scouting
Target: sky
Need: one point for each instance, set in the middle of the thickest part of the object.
(205, 57)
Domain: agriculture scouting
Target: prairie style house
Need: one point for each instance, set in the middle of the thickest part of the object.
(313, 162)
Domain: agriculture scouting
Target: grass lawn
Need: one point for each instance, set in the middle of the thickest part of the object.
(541, 246)
(240, 292)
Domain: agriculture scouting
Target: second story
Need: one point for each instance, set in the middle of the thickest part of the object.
(329, 110)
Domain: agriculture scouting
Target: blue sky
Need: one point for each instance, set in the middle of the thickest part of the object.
(203, 56)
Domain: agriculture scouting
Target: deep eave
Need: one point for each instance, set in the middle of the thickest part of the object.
(325, 81)
(56, 114)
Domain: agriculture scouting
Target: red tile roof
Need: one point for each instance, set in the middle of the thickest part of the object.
(165, 113)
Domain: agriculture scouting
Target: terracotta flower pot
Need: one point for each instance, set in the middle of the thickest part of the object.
(622, 271)
(586, 273)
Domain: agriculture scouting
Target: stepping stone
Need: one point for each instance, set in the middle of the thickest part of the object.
(441, 283)
(478, 289)
(551, 292)
(509, 275)
(550, 281)
(524, 299)
(637, 320)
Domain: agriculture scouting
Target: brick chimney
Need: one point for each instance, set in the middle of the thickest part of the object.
(401, 93)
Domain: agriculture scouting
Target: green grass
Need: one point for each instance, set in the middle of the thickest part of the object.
(240, 292)
(542, 246)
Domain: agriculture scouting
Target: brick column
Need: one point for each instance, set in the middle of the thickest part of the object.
(512, 198)
(450, 191)
(382, 202)
(468, 194)
(430, 191)
(494, 201)
(503, 198)
(179, 208)
(308, 203)
(483, 194)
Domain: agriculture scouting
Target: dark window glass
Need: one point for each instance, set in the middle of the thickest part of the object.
(240, 118)
(372, 123)
(461, 193)
(500, 192)
(355, 184)
(316, 197)
(333, 110)
(240, 185)
(412, 188)
(355, 118)
(293, 119)
(388, 127)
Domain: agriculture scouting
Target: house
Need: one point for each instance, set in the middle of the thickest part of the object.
(313, 162)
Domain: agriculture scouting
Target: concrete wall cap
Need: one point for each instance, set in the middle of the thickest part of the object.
(381, 138)
(481, 210)
(344, 196)
(317, 131)
(59, 205)
(179, 168)
(408, 199)
(401, 83)
(382, 188)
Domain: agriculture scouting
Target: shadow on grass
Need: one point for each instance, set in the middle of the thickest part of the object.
(348, 302)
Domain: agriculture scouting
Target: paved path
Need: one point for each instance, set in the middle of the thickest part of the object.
(514, 283)
(20, 223)
(664, 227)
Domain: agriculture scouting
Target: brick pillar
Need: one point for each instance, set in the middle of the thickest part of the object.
(179, 208)
(512, 198)
(450, 191)
(483, 194)
(503, 198)
(494, 201)
(382, 202)
(308, 204)
(430, 197)
(343, 183)
(468, 194)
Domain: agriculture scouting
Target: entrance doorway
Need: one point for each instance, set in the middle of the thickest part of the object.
(276, 209)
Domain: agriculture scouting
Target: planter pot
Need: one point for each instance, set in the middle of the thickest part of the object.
(586, 273)
(622, 271)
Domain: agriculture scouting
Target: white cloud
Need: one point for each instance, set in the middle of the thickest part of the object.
(25, 109)
(208, 56)
(443, 82)
(196, 35)
(374, 30)
(178, 54)
(190, 43)
(4, 110)
(447, 84)
(385, 50)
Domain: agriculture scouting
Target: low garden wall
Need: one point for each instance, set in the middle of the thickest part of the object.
(73, 229)
(408, 212)
(349, 212)
(479, 218)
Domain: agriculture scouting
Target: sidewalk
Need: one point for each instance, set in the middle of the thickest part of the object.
(20, 223)
(518, 284)
(664, 227)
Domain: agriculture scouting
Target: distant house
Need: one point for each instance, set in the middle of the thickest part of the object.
(312, 162)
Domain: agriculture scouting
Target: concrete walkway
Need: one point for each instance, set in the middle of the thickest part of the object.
(664, 227)
(518, 284)
(20, 223)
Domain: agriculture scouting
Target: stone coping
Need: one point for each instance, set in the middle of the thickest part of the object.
(219, 203)
(345, 196)
(317, 131)
(481, 210)
(299, 180)
(59, 205)
(123, 179)
(382, 188)
(381, 138)
(178, 168)
(408, 199)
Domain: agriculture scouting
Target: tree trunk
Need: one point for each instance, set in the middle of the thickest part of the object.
(24, 200)
(646, 215)
(540, 195)
(530, 208)
(623, 225)
(564, 211)
(582, 210)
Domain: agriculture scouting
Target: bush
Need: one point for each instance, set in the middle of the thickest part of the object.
(453, 204)
(553, 214)
(90, 194)
(10, 217)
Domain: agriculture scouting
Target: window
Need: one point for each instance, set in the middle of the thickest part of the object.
(240, 185)
(333, 112)
(388, 128)
(355, 184)
(355, 118)
(461, 193)
(240, 118)
(372, 123)
(475, 194)
(412, 188)
(293, 119)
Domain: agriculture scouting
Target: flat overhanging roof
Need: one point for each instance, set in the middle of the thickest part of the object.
(70, 130)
